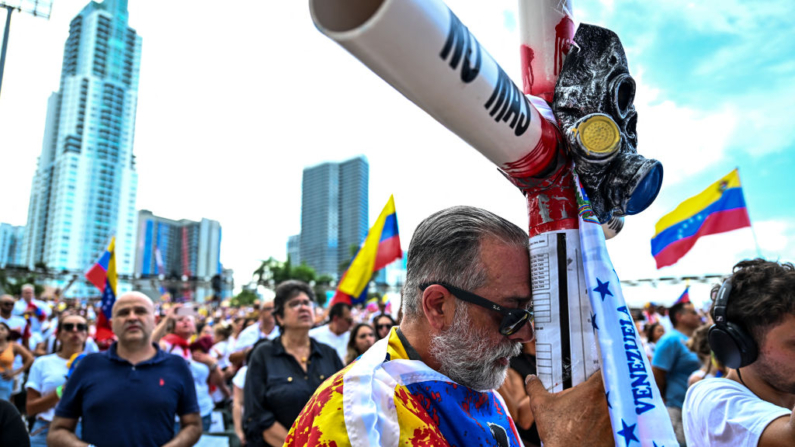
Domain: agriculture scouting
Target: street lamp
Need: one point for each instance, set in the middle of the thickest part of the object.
(39, 8)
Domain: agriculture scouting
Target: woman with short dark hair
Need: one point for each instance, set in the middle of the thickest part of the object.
(283, 373)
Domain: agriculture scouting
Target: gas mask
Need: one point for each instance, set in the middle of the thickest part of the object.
(593, 104)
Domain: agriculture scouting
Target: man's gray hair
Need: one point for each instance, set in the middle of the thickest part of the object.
(446, 248)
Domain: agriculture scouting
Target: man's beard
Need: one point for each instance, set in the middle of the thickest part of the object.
(467, 355)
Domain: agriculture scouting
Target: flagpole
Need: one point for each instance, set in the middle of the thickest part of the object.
(753, 231)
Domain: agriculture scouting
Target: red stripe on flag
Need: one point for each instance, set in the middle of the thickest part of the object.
(104, 331)
(720, 222)
(97, 276)
(388, 251)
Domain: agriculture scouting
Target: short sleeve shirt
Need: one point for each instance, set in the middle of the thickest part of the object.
(47, 373)
(724, 413)
(673, 356)
(122, 404)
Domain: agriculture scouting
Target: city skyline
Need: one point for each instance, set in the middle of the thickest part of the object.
(712, 95)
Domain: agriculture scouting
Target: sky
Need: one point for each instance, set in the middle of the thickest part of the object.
(235, 101)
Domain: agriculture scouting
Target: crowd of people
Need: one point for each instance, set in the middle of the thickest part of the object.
(291, 373)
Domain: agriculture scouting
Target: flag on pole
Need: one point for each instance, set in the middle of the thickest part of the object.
(103, 276)
(380, 247)
(684, 297)
(637, 411)
(717, 209)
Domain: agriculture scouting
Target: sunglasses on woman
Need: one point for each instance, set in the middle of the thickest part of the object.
(69, 327)
(512, 319)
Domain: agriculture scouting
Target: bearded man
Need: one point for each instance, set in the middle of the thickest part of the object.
(431, 381)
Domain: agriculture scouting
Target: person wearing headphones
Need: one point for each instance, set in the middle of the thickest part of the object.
(754, 335)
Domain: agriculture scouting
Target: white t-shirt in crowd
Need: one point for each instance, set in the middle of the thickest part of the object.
(240, 377)
(21, 306)
(221, 351)
(15, 323)
(47, 373)
(324, 335)
(251, 335)
(722, 412)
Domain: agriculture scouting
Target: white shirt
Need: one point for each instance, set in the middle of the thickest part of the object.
(47, 373)
(251, 335)
(324, 335)
(15, 323)
(722, 412)
(240, 377)
(21, 306)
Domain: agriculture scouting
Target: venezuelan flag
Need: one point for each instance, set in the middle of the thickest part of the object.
(103, 276)
(684, 297)
(380, 247)
(718, 209)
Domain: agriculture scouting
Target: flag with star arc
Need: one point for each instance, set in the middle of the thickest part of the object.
(637, 412)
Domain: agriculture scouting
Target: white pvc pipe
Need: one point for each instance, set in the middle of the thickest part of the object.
(423, 50)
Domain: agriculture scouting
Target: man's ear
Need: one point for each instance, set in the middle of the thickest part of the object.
(438, 306)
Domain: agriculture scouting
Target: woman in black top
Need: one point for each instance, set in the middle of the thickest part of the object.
(285, 372)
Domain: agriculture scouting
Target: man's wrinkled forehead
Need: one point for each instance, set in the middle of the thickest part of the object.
(7, 299)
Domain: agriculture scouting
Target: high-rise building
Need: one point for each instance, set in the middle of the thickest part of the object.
(85, 184)
(334, 213)
(179, 248)
(11, 238)
(294, 249)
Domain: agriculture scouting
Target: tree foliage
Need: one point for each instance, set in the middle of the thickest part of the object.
(244, 298)
(13, 286)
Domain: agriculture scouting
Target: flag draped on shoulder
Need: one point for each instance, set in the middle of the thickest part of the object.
(103, 276)
(386, 399)
(637, 411)
(380, 247)
(717, 209)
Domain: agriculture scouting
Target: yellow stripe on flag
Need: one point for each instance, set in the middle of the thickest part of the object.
(698, 203)
(112, 277)
(361, 268)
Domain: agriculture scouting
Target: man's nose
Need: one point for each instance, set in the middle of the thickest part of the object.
(524, 335)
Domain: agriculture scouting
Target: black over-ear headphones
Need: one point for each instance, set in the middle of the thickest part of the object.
(732, 346)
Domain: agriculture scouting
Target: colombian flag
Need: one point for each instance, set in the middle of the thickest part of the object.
(103, 276)
(718, 209)
(381, 247)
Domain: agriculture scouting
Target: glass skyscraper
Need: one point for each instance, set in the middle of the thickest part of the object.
(334, 213)
(85, 184)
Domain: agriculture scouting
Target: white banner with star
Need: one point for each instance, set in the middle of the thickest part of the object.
(637, 411)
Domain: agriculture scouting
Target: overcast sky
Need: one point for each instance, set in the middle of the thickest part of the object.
(236, 98)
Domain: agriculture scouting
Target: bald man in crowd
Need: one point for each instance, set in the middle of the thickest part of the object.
(130, 394)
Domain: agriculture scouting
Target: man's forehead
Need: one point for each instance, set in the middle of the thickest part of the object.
(133, 300)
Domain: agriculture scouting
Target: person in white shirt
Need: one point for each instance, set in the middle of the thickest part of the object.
(251, 335)
(48, 375)
(335, 333)
(754, 335)
(38, 310)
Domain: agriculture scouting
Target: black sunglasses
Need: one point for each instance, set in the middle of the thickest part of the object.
(7, 304)
(512, 319)
(383, 326)
(69, 327)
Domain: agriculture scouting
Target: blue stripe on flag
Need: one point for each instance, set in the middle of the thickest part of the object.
(390, 227)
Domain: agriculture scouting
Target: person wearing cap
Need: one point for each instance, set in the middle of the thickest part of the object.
(755, 404)
(432, 380)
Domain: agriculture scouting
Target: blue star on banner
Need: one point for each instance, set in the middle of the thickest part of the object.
(628, 432)
(603, 288)
(655, 444)
(607, 397)
(593, 322)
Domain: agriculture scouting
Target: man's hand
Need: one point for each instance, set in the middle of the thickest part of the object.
(577, 416)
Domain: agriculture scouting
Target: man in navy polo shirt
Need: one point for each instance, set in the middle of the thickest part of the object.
(130, 394)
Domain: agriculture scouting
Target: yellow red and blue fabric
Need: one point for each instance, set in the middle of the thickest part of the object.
(684, 297)
(388, 400)
(718, 209)
(103, 276)
(380, 247)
